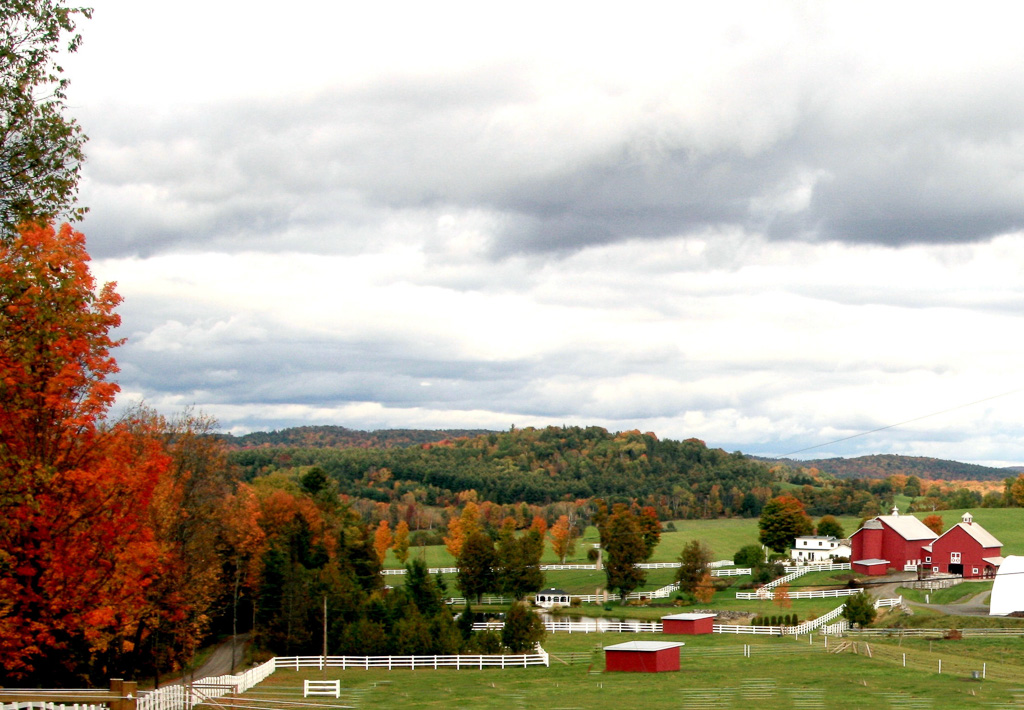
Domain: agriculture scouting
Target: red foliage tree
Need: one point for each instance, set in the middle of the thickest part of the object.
(76, 553)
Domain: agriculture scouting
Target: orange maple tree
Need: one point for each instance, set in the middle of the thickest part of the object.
(76, 552)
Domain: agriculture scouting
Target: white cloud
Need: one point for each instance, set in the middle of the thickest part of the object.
(768, 225)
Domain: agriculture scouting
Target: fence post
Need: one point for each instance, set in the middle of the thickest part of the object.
(940, 666)
(117, 689)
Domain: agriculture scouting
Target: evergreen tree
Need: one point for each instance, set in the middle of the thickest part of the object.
(477, 561)
(860, 609)
(519, 571)
(693, 565)
(624, 548)
(523, 629)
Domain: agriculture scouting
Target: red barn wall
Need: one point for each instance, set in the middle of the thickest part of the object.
(642, 661)
(971, 552)
(683, 626)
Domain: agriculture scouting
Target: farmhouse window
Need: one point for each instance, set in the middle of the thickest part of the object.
(974, 570)
(954, 557)
(928, 559)
(935, 569)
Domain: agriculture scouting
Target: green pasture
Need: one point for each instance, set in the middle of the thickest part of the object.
(780, 672)
(950, 595)
(1007, 524)
(727, 535)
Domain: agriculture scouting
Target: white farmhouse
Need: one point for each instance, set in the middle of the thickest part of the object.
(819, 548)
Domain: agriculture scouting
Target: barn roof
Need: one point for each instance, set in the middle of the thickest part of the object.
(908, 527)
(980, 534)
(646, 646)
(688, 617)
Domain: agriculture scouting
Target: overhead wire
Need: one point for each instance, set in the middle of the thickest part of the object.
(905, 422)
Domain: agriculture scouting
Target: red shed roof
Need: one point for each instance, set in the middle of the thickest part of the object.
(644, 646)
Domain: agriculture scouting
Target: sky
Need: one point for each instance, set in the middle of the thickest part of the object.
(768, 225)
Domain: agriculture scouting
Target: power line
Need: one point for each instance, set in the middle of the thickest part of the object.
(908, 421)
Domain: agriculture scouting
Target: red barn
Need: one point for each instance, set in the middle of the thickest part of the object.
(688, 624)
(889, 541)
(643, 656)
(966, 549)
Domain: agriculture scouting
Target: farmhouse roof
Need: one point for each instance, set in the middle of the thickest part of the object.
(994, 561)
(872, 562)
(552, 590)
(644, 646)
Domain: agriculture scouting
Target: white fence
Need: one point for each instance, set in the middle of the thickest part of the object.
(521, 660)
(747, 629)
(461, 601)
(731, 572)
(879, 603)
(176, 697)
(819, 567)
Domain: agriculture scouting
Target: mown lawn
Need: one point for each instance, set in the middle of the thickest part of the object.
(715, 672)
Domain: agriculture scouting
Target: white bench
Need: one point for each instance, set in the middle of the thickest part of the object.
(321, 687)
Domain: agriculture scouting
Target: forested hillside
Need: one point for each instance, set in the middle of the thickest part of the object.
(885, 465)
(540, 466)
(343, 437)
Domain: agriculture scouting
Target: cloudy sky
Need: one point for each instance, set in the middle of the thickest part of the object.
(767, 225)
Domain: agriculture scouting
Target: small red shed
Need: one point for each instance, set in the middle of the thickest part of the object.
(688, 623)
(643, 656)
(871, 567)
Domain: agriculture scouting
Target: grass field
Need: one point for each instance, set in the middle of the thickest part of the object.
(779, 673)
(727, 535)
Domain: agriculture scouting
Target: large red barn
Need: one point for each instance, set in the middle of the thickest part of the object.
(904, 543)
(643, 656)
(966, 549)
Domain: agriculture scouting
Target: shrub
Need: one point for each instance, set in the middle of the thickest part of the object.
(523, 629)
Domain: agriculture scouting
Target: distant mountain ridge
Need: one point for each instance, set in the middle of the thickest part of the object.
(333, 437)
(885, 465)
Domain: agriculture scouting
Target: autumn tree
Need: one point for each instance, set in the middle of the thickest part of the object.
(40, 146)
(783, 520)
(624, 548)
(933, 523)
(400, 545)
(1014, 491)
(460, 528)
(563, 538)
(693, 565)
(828, 525)
(705, 589)
(781, 596)
(650, 529)
(76, 552)
(382, 539)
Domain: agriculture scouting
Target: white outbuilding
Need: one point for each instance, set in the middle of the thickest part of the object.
(1008, 590)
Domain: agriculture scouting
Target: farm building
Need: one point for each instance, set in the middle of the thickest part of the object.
(688, 624)
(551, 597)
(966, 549)
(903, 542)
(894, 540)
(643, 656)
(1008, 590)
(819, 548)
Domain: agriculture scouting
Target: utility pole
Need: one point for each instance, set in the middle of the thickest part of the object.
(325, 637)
